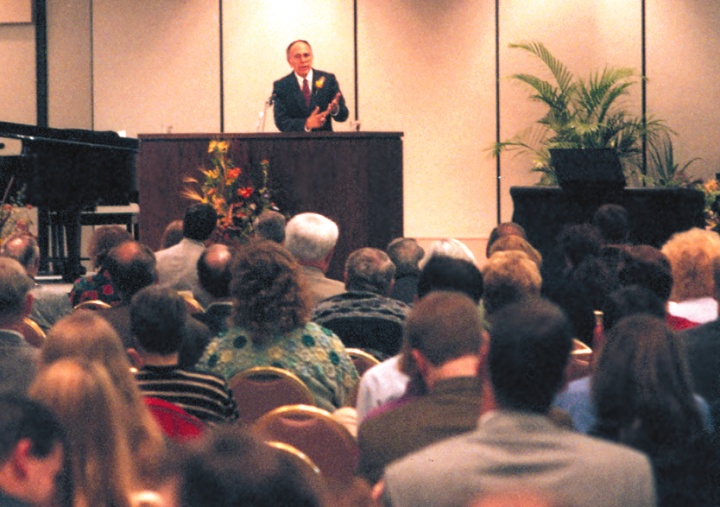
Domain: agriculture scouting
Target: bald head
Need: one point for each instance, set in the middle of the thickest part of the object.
(213, 268)
(132, 266)
(23, 248)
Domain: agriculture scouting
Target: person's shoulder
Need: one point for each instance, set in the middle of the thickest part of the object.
(283, 80)
(317, 73)
(595, 452)
(707, 329)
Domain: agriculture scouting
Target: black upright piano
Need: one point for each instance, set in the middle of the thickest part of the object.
(64, 172)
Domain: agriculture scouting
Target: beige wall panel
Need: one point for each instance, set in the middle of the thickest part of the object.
(69, 64)
(156, 66)
(17, 74)
(427, 69)
(684, 71)
(585, 36)
(256, 33)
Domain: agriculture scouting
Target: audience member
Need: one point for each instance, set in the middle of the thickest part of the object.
(177, 265)
(83, 398)
(32, 454)
(272, 328)
(643, 396)
(691, 254)
(576, 398)
(405, 254)
(172, 235)
(613, 222)
(231, 468)
(48, 304)
(214, 273)
(311, 238)
(99, 286)
(132, 267)
(509, 277)
(389, 383)
(503, 230)
(582, 285)
(449, 247)
(516, 443)
(157, 316)
(364, 316)
(443, 333)
(270, 225)
(18, 360)
(648, 267)
(85, 336)
(516, 243)
(703, 354)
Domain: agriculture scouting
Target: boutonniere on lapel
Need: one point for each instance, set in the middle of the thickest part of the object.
(319, 83)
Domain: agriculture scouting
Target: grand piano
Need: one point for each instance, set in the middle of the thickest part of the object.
(65, 172)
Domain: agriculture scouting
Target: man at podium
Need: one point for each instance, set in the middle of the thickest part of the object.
(307, 99)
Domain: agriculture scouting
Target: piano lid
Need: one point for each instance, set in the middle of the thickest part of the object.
(92, 138)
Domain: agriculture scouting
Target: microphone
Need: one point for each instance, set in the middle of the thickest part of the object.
(271, 100)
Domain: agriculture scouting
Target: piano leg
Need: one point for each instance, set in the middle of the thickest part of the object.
(70, 222)
(59, 242)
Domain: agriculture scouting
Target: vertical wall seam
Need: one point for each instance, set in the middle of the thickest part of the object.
(41, 63)
(498, 173)
(222, 67)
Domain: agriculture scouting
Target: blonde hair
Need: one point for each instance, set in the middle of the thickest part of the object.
(515, 243)
(508, 277)
(691, 255)
(84, 399)
(85, 335)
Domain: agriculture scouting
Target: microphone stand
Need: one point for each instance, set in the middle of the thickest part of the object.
(260, 127)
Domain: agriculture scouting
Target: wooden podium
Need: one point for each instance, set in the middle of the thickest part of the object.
(354, 178)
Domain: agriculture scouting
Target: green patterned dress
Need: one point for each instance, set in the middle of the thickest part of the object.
(313, 353)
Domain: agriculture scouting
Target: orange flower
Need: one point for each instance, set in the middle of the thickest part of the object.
(245, 192)
(320, 82)
(232, 174)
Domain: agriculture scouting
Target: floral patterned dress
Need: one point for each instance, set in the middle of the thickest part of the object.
(98, 286)
(311, 352)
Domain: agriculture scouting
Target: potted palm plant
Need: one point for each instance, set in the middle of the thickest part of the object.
(582, 113)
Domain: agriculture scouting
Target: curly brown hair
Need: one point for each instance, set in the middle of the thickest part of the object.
(269, 290)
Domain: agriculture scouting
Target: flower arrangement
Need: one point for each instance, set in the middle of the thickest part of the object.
(711, 189)
(232, 192)
(14, 219)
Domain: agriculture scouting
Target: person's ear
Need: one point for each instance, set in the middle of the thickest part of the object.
(135, 358)
(29, 300)
(20, 457)
(483, 353)
(421, 362)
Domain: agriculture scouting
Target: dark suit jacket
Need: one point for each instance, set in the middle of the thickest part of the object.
(451, 408)
(290, 110)
(702, 344)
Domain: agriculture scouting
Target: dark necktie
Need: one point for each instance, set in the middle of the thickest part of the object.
(306, 92)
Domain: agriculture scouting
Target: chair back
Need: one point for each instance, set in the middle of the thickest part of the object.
(296, 456)
(363, 361)
(259, 390)
(314, 432)
(580, 359)
(93, 304)
(176, 423)
(31, 331)
(192, 305)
